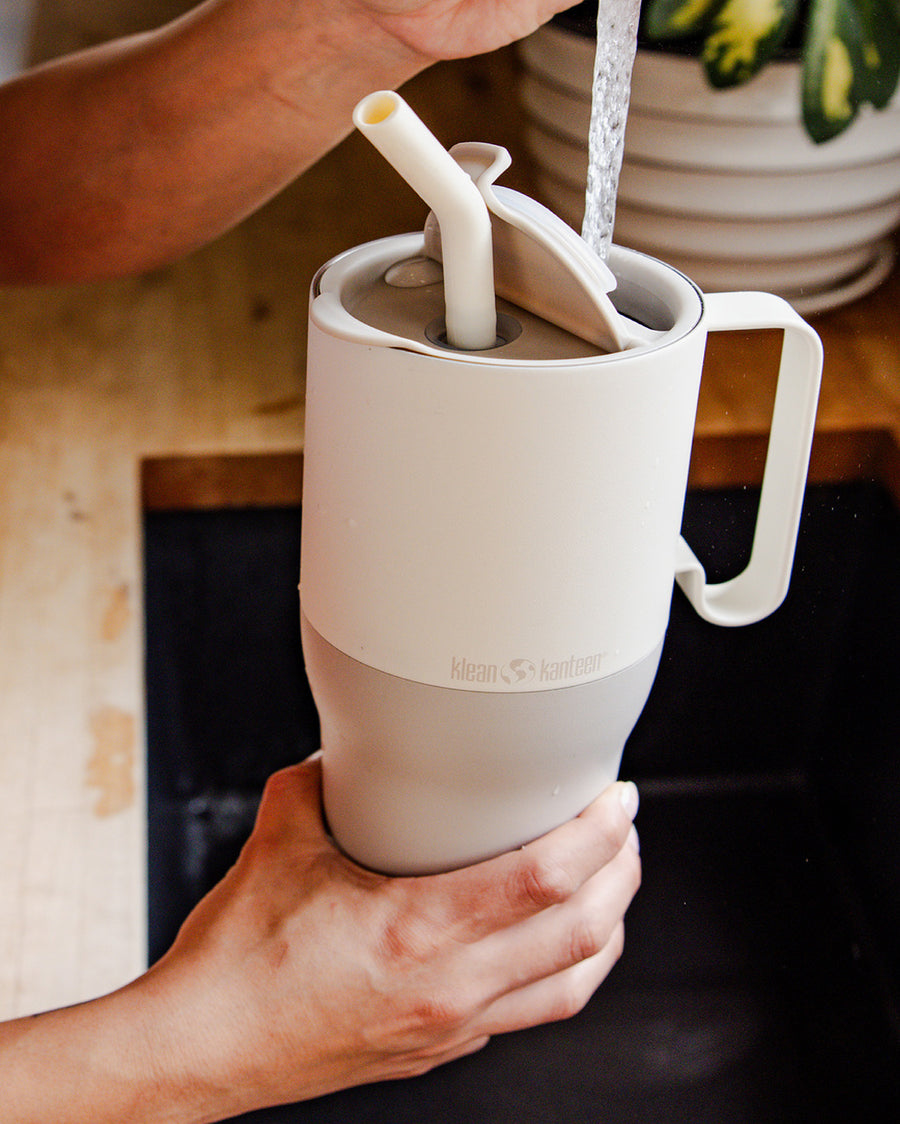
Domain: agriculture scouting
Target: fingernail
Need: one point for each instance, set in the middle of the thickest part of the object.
(633, 841)
(629, 797)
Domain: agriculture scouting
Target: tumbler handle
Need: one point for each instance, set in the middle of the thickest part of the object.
(760, 588)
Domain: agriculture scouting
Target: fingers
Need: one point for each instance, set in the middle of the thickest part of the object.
(500, 892)
(564, 935)
(556, 997)
(557, 959)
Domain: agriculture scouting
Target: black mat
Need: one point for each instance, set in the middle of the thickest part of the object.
(759, 980)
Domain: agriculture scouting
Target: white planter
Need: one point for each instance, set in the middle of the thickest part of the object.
(725, 185)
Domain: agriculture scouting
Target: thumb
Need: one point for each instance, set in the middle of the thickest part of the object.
(292, 802)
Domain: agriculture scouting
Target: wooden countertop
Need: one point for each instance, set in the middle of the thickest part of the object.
(186, 387)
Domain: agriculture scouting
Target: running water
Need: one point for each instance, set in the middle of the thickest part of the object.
(617, 25)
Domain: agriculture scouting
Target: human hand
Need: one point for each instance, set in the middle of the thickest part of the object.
(302, 973)
(443, 29)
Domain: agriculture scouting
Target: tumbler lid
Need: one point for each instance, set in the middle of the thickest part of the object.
(540, 263)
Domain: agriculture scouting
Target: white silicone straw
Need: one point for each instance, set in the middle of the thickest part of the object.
(465, 222)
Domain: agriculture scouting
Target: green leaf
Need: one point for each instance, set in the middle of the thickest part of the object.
(851, 55)
(744, 36)
(676, 19)
(881, 51)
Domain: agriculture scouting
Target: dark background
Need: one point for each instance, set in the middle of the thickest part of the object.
(759, 982)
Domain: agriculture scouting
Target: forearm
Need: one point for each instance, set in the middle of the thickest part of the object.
(138, 151)
(141, 1054)
(92, 1062)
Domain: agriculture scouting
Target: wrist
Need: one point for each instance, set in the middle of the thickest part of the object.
(343, 41)
(178, 1063)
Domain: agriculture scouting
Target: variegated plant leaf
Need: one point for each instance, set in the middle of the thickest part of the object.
(676, 19)
(881, 50)
(847, 60)
(743, 37)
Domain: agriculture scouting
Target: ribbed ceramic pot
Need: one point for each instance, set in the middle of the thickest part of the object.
(723, 184)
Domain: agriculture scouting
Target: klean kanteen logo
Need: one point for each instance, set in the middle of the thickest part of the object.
(575, 667)
(467, 671)
(520, 672)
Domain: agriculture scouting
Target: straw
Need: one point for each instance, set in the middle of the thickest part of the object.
(465, 222)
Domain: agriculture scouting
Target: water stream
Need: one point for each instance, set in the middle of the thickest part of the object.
(617, 25)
